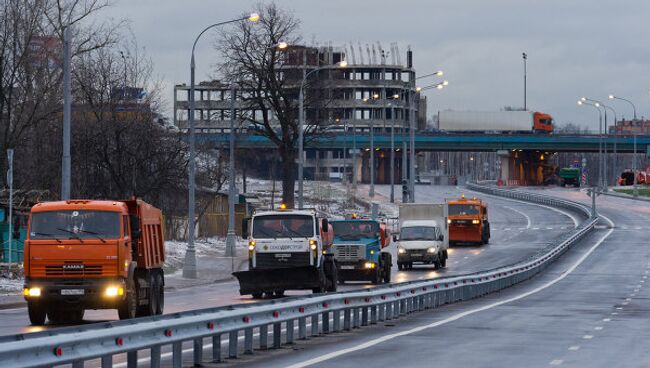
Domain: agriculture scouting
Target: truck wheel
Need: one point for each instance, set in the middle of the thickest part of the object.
(149, 308)
(400, 266)
(317, 290)
(331, 275)
(387, 271)
(160, 292)
(279, 293)
(257, 295)
(37, 314)
(129, 305)
(443, 259)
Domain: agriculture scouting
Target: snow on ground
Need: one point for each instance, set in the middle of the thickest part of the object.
(210, 247)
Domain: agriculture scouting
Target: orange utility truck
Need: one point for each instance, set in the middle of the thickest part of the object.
(88, 254)
(468, 221)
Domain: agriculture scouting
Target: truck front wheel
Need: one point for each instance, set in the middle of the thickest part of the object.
(37, 313)
(160, 292)
(129, 305)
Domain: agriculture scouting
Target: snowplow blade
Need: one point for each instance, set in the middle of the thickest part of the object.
(279, 279)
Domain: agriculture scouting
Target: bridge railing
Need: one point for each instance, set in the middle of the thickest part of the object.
(274, 323)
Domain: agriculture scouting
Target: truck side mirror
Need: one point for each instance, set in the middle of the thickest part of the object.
(441, 238)
(394, 237)
(136, 232)
(325, 225)
(244, 228)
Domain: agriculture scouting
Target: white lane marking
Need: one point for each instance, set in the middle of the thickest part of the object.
(556, 362)
(588, 337)
(562, 276)
(574, 348)
(507, 229)
(637, 228)
(606, 319)
(528, 222)
(535, 228)
(614, 313)
(598, 328)
(619, 308)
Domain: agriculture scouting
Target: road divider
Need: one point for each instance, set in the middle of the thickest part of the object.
(322, 313)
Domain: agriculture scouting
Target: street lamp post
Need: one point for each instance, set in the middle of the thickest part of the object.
(371, 190)
(604, 144)
(66, 161)
(612, 97)
(301, 125)
(189, 267)
(600, 142)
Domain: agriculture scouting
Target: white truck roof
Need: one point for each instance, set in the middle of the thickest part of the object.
(424, 223)
(285, 212)
(479, 121)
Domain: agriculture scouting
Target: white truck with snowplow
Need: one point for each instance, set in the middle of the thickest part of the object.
(287, 250)
(423, 235)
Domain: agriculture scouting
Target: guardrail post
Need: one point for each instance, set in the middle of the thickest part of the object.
(154, 356)
(364, 316)
(355, 318)
(382, 312)
(216, 348)
(107, 361)
(131, 359)
(346, 319)
(389, 310)
(232, 344)
(302, 328)
(325, 321)
(277, 335)
(337, 321)
(264, 337)
(248, 341)
(198, 351)
(373, 315)
(177, 354)
(314, 325)
(289, 332)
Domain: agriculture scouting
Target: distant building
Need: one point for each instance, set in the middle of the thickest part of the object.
(372, 93)
(624, 127)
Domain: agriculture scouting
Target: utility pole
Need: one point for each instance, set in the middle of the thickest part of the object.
(525, 59)
(10, 182)
(66, 164)
(231, 237)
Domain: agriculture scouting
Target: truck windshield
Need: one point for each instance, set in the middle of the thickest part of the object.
(283, 226)
(75, 225)
(419, 233)
(355, 229)
(464, 209)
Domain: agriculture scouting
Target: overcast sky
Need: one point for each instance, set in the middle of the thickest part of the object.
(574, 47)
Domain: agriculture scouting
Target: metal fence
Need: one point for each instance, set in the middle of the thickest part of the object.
(270, 324)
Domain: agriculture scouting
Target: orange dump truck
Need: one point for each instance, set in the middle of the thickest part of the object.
(88, 254)
(468, 221)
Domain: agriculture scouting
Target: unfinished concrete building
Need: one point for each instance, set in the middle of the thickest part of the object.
(374, 91)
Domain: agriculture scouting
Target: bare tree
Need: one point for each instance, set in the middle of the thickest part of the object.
(258, 68)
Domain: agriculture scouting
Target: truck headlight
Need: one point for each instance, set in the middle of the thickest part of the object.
(113, 291)
(369, 265)
(251, 245)
(432, 250)
(449, 221)
(34, 291)
(401, 250)
(313, 244)
(476, 222)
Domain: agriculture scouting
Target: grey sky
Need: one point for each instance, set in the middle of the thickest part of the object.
(574, 47)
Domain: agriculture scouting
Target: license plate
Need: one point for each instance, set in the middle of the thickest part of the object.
(283, 255)
(347, 267)
(72, 291)
(416, 254)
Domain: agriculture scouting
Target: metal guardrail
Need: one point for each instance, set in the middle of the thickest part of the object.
(282, 320)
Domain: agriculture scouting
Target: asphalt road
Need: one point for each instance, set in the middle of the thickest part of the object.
(518, 230)
(588, 309)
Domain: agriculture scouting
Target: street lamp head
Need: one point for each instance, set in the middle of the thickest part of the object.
(418, 89)
(445, 83)
(342, 64)
(396, 96)
(375, 96)
(254, 17)
(579, 102)
(440, 86)
(365, 99)
(282, 45)
(583, 98)
(439, 73)
(597, 104)
(611, 97)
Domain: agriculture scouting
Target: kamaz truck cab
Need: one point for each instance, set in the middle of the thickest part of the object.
(287, 250)
(468, 221)
(357, 249)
